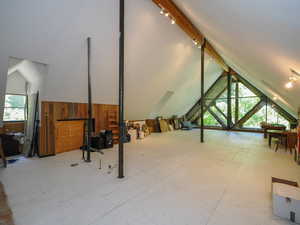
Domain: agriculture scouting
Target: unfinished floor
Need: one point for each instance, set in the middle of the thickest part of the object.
(171, 179)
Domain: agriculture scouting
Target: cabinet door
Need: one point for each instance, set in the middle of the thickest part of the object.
(69, 135)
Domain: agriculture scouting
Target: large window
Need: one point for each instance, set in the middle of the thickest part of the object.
(249, 107)
(14, 109)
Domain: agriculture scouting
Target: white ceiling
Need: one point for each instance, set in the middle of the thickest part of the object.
(260, 39)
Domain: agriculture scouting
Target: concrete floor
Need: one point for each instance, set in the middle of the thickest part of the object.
(171, 179)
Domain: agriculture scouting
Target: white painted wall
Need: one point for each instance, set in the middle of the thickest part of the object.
(33, 73)
(16, 84)
(159, 56)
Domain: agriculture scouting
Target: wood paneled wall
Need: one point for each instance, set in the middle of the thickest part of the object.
(13, 127)
(53, 111)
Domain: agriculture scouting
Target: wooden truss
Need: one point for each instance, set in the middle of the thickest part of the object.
(220, 86)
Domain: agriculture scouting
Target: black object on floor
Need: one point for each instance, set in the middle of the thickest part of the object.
(74, 164)
(10, 145)
(12, 161)
(108, 138)
(98, 142)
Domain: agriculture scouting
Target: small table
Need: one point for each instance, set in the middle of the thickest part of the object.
(275, 134)
(266, 128)
(280, 134)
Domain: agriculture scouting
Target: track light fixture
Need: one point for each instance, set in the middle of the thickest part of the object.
(167, 14)
(275, 98)
(291, 83)
(292, 79)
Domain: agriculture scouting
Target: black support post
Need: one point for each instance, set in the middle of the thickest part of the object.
(202, 91)
(229, 113)
(121, 91)
(237, 86)
(89, 134)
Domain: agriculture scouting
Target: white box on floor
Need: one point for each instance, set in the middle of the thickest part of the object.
(286, 202)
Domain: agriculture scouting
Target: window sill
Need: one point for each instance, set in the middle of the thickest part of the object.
(14, 121)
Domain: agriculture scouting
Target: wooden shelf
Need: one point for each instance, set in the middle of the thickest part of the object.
(112, 118)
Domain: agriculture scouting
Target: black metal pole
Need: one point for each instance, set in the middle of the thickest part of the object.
(121, 91)
(202, 92)
(89, 134)
(229, 113)
(267, 109)
(236, 102)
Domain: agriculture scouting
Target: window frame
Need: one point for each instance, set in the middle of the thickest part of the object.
(25, 109)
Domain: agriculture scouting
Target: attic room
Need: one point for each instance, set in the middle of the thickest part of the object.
(155, 112)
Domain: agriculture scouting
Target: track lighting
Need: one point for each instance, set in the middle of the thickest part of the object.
(195, 42)
(292, 79)
(289, 84)
(275, 98)
(167, 14)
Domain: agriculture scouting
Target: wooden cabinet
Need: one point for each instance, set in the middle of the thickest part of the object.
(53, 112)
(68, 135)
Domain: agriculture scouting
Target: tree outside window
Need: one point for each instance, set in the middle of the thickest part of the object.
(14, 109)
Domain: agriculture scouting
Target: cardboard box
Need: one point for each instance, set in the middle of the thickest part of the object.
(286, 202)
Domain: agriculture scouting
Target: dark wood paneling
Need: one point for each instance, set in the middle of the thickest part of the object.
(53, 111)
(69, 135)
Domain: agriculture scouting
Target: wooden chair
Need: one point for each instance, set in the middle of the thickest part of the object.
(291, 141)
(2, 155)
(278, 140)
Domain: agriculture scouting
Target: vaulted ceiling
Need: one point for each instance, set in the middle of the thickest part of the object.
(259, 39)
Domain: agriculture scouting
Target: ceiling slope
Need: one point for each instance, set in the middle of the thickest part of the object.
(162, 65)
(259, 39)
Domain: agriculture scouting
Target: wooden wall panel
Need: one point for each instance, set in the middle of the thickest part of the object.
(12, 127)
(69, 135)
(53, 111)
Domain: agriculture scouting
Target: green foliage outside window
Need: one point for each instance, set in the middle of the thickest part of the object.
(14, 109)
(209, 120)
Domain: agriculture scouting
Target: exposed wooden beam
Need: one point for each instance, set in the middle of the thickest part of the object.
(190, 29)
(217, 118)
(220, 111)
(254, 110)
(212, 102)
